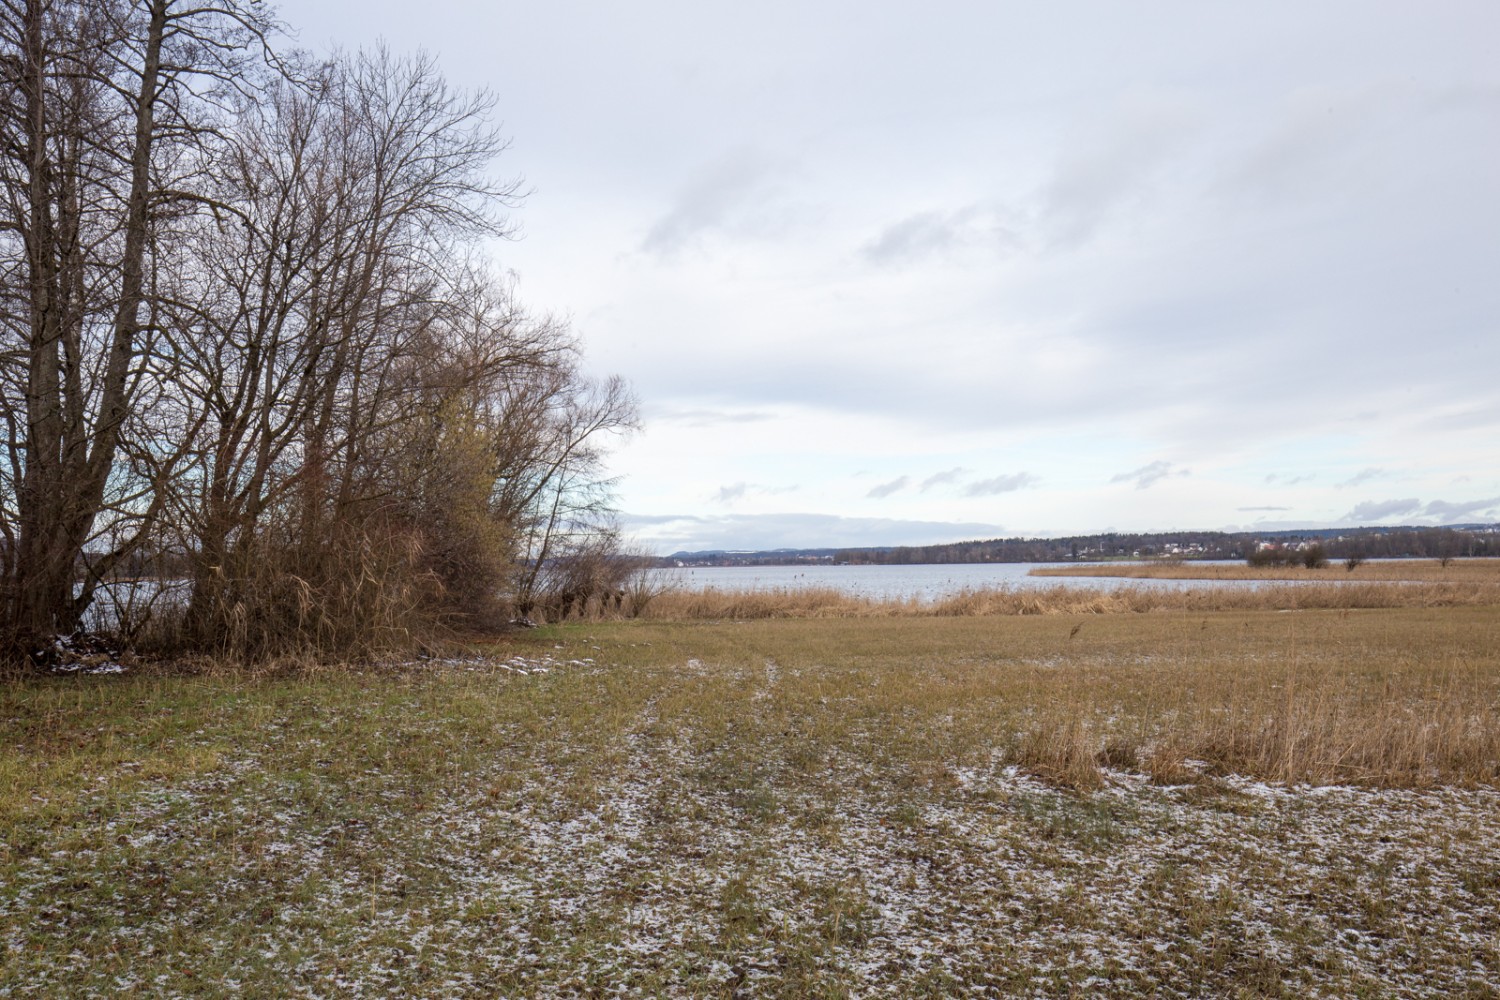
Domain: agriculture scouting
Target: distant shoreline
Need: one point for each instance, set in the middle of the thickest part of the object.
(1394, 542)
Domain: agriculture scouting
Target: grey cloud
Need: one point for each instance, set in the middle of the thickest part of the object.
(1119, 335)
(740, 490)
(1442, 511)
(1483, 416)
(1484, 98)
(1308, 151)
(729, 494)
(710, 201)
(935, 233)
(922, 388)
(1378, 510)
(1114, 165)
(886, 489)
(1149, 475)
(943, 478)
(1001, 484)
(1289, 480)
(1363, 476)
(1446, 510)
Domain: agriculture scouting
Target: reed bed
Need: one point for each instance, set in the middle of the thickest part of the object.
(1399, 697)
(1282, 723)
(1480, 571)
(714, 604)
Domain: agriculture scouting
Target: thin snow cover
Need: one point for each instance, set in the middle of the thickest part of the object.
(672, 863)
(517, 664)
(79, 653)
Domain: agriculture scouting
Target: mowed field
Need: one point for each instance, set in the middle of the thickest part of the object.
(1171, 803)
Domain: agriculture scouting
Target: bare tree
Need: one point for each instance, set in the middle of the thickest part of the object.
(108, 114)
(372, 392)
(249, 330)
(559, 496)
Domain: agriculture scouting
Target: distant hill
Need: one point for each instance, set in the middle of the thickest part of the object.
(1340, 543)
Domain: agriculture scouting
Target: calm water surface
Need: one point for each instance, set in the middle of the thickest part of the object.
(924, 582)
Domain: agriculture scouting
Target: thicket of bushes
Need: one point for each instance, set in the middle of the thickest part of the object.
(1312, 556)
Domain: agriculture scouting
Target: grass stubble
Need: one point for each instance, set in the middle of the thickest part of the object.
(1179, 803)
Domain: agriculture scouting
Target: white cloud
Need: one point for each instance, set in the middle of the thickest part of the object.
(1448, 510)
(1380, 510)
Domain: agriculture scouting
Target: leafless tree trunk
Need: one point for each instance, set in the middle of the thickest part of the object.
(107, 113)
(348, 344)
(246, 325)
(558, 494)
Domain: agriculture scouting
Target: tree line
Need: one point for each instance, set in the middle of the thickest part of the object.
(254, 341)
(1342, 543)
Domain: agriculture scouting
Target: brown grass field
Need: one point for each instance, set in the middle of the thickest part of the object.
(1181, 802)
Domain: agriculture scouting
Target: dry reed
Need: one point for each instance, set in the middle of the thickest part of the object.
(714, 604)
(1404, 697)
(1393, 570)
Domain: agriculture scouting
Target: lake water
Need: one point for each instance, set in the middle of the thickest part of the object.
(114, 601)
(924, 582)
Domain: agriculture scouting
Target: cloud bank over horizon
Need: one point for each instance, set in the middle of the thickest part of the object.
(764, 532)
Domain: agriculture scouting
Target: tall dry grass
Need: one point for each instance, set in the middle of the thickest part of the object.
(1284, 725)
(368, 591)
(1290, 597)
(1404, 697)
(1267, 734)
(711, 604)
(1414, 570)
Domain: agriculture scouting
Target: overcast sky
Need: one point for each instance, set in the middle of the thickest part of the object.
(899, 272)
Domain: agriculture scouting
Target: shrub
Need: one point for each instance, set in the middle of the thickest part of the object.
(1263, 557)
